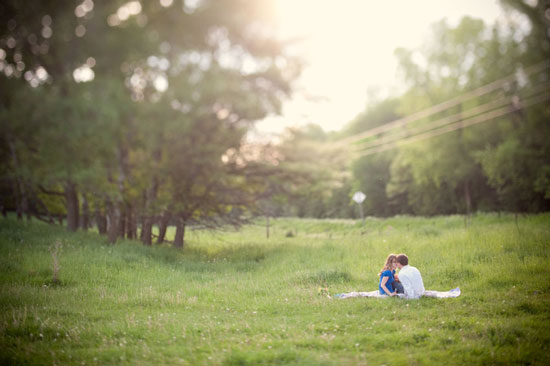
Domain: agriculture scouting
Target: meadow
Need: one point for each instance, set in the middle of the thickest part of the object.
(235, 297)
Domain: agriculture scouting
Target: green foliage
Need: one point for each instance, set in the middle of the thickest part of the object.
(305, 175)
(501, 164)
(375, 115)
(133, 148)
(160, 130)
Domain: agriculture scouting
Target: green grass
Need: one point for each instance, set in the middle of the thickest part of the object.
(237, 298)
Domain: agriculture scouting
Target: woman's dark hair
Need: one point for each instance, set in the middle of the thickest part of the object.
(402, 259)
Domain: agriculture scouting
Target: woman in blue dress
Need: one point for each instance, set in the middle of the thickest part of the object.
(388, 284)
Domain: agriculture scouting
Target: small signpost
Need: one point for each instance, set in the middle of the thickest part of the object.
(359, 197)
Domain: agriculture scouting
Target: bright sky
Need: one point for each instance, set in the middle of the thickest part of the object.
(348, 50)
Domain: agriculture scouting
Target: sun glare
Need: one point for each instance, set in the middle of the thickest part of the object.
(342, 43)
(348, 51)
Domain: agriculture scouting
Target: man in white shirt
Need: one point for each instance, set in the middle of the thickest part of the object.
(410, 278)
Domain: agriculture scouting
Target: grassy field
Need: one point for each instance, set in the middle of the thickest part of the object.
(237, 298)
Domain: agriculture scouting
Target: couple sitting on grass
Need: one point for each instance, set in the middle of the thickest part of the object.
(407, 285)
(408, 282)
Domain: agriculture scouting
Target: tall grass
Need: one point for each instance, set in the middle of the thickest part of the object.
(237, 298)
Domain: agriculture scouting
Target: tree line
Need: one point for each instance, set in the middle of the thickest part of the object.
(502, 164)
(129, 114)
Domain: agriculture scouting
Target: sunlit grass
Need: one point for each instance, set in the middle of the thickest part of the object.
(238, 298)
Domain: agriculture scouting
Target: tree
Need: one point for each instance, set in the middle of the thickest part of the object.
(308, 172)
(449, 163)
(517, 167)
(105, 72)
(464, 170)
(372, 173)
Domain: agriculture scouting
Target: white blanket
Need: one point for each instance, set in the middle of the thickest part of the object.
(428, 293)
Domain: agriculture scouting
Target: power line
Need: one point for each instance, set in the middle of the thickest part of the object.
(545, 96)
(485, 89)
(453, 118)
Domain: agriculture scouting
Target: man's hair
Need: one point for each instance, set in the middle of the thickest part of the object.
(402, 259)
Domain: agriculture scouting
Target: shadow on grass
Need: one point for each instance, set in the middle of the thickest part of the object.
(244, 258)
(326, 278)
(286, 357)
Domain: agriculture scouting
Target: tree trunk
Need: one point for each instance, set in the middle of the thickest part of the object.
(141, 218)
(122, 221)
(18, 207)
(150, 198)
(116, 220)
(26, 206)
(85, 220)
(147, 224)
(21, 202)
(101, 222)
(147, 230)
(141, 230)
(131, 227)
(113, 221)
(163, 224)
(147, 227)
(71, 201)
(180, 233)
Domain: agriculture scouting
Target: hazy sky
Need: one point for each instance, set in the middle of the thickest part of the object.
(348, 50)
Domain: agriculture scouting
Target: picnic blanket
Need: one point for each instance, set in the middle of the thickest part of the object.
(429, 293)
